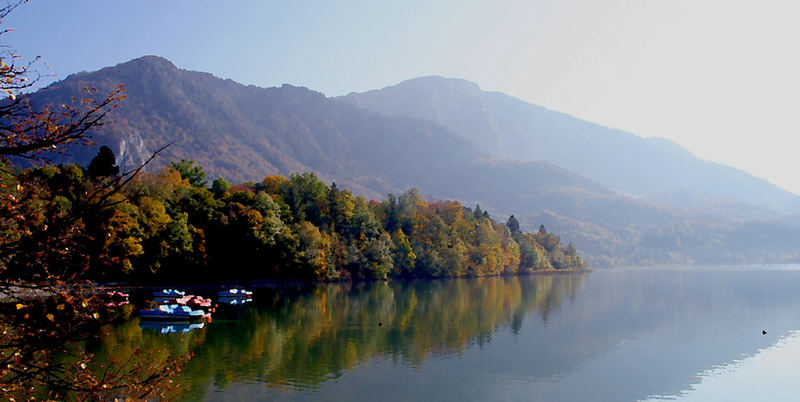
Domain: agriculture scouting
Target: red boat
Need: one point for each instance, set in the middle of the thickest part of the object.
(198, 301)
(192, 301)
(114, 298)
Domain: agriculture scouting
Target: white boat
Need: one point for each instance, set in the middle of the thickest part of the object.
(173, 312)
(235, 294)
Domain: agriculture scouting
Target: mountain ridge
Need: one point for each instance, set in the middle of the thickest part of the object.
(158, 91)
(506, 126)
(244, 133)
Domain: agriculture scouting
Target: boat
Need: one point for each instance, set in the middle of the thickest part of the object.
(167, 296)
(238, 294)
(173, 312)
(116, 303)
(169, 293)
(192, 301)
(197, 302)
(113, 299)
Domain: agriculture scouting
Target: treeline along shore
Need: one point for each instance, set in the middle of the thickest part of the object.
(173, 225)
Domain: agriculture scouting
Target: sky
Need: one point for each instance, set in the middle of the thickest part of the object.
(719, 77)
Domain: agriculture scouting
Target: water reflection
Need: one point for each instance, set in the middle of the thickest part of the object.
(170, 327)
(301, 338)
(234, 302)
(610, 335)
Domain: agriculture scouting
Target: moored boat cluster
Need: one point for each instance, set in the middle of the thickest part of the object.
(175, 307)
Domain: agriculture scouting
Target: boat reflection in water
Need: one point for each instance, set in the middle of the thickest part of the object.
(170, 327)
(234, 302)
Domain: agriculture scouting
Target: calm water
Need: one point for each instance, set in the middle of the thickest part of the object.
(618, 335)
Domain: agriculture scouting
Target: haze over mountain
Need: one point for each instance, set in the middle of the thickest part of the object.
(244, 133)
(510, 128)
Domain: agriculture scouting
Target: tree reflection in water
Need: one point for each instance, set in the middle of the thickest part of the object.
(299, 337)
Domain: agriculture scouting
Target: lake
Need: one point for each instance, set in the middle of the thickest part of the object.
(610, 335)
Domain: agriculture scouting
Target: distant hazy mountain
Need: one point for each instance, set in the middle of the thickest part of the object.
(510, 128)
(244, 133)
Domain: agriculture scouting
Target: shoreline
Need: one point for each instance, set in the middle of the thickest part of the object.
(275, 283)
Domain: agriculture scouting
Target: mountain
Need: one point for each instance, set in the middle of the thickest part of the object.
(244, 133)
(508, 127)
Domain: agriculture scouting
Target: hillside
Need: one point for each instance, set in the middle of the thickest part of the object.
(244, 133)
(510, 128)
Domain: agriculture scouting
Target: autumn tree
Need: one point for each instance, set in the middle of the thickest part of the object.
(404, 256)
(47, 247)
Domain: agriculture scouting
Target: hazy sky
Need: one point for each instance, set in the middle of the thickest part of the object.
(720, 77)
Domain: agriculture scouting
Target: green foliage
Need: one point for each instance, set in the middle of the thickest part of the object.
(306, 196)
(168, 225)
(513, 224)
(478, 214)
(313, 251)
(194, 174)
(404, 257)
(219, 186)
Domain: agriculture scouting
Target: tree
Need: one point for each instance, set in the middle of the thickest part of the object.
(219, 186)
(195, 175)
(478, 214)
(378, 256)
(313, 251)
(47, 245)
(341, 208)
(404, 257)
(104, 164)
(513, 224)
(570, 250)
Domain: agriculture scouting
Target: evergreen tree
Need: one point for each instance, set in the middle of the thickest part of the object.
(220, 186)
(103, 164)
(513, 224)
(570, 250)
(194, 174)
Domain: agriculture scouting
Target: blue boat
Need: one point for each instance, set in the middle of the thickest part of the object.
(173, 312)
(235, 294)
(169, 293)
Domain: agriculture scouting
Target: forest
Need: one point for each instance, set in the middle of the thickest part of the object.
(172, 225)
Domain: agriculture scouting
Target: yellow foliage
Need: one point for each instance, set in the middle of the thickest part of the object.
(154, 217)
(273, 184)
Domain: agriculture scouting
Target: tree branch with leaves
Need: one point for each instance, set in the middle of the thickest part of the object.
(47, 303)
